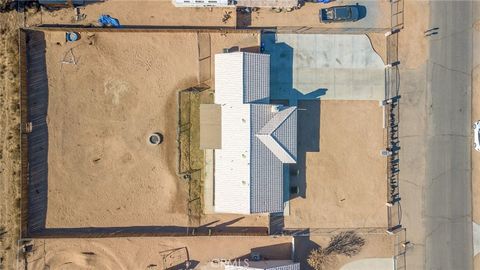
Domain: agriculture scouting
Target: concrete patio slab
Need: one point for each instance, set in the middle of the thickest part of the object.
(339, 67)
(372, 263)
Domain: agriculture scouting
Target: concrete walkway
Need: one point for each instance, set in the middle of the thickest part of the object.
(369, 264)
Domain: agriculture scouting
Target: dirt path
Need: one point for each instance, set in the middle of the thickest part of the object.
(9, 141)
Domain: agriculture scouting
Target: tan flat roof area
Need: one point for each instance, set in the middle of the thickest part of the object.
(210, 126)
(102, 172)
(345, 175)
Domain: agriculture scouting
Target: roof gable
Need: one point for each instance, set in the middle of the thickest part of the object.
(280, 135)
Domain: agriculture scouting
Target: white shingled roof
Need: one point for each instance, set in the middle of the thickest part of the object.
(258, 138)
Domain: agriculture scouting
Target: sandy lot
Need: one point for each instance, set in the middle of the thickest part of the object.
(102, 172)
(376, 246)
(163, 12)
(161, 253)
(150, 253)
(9, 141)
(345, 175)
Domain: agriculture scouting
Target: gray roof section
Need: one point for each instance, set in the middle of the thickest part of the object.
(266, 170)
(293, 266)
(256, 82)
(280, 135)
(265, 265)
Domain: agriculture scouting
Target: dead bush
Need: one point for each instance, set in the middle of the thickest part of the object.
(347, 243)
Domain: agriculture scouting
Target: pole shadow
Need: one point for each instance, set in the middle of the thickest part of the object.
(303, 246)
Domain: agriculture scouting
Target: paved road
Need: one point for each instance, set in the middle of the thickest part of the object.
(437, 144)
(447, 214)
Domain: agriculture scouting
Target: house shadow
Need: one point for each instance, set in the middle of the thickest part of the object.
(281, 251)
(308, 137)
(308, 116)
(303, 246)
(244, 17)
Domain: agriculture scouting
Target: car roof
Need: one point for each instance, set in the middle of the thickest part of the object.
(342, 11)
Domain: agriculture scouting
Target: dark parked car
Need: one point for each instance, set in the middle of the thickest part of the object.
(340, 14)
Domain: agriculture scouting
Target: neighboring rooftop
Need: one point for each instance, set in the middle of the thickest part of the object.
(265, 265)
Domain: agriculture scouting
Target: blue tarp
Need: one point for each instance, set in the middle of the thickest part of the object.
(106, 20)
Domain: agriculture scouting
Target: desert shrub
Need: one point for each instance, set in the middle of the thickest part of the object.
(347, 243)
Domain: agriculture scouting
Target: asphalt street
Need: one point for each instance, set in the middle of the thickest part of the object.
(448, 219)
(436, 139)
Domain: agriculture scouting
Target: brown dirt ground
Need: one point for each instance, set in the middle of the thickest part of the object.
(379, 44)
(346, 178)
(9, 140)
(139, 253)
(102, 172)
(376, 246)
(307, 15)
(413, 46)
(475, 156)
(140, 13)
(163, 12)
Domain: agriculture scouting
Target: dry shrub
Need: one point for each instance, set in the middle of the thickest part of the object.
(347, 243)
(319, 259)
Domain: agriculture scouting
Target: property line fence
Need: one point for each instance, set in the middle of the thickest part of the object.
(326, 30)
(23, 135)
(397, 10)
(392, 120)
(33, 103)
(400, 249)
(331, 231)
(190, 156)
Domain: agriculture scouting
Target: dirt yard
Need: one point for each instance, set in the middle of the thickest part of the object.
(377, 245)
(102, 172)
(345, 182)
(163, 12)
(9, 140)
(165, 252)
(151, 253)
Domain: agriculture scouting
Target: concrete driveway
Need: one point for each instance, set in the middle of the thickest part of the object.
(339, 67)
(371, 263)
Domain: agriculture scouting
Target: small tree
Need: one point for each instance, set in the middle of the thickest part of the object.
(346, 243)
